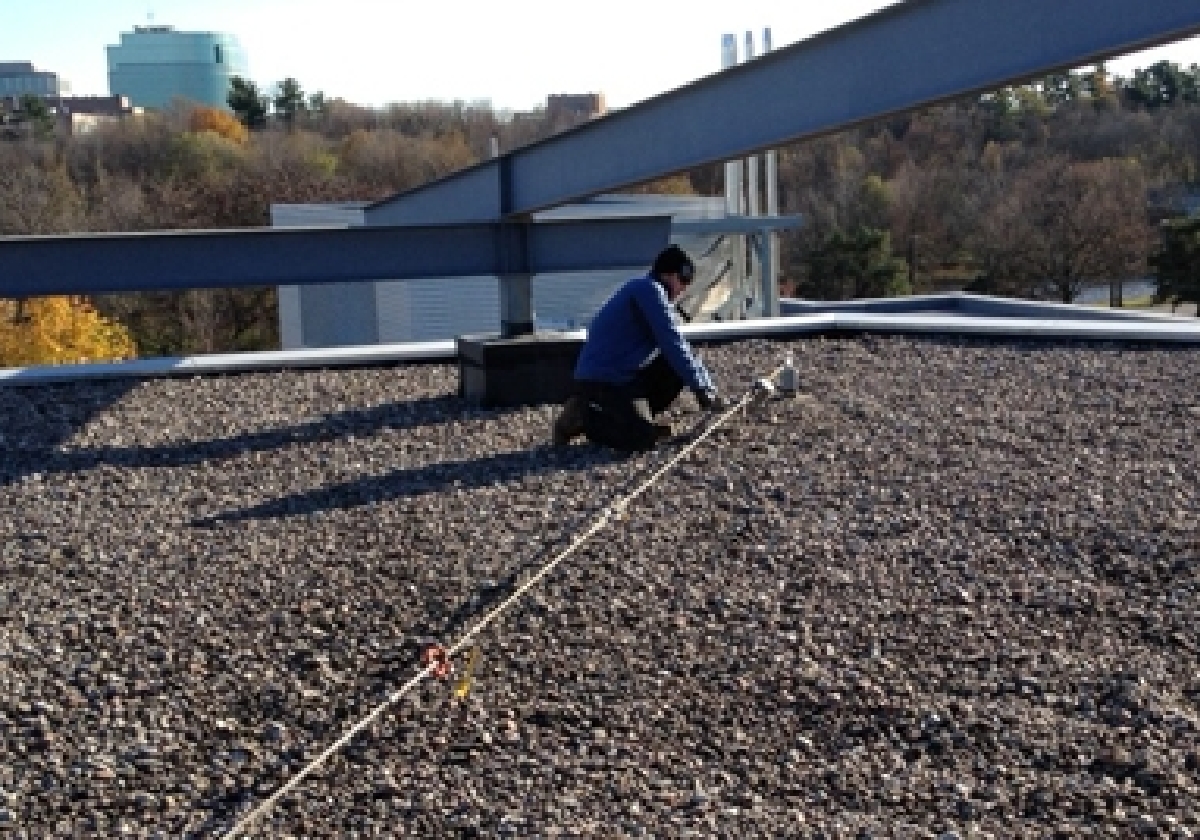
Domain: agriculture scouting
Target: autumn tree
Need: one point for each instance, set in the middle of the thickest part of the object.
(388, 160)
(37, 195)
(59, 330)
(219, 122)
(1057, 226)
(933, 211)
(671, 185)
(202, 157)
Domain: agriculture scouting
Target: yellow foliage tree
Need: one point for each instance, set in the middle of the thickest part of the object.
(670, 185)
(221, 123)
(59, 330)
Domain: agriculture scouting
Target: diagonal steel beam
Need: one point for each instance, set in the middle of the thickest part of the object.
(906, 56)
(130, 262)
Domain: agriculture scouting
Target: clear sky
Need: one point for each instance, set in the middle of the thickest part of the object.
(511, 52)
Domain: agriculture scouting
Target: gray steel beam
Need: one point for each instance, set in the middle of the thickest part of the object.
(130, 262)
(906, 56)
(744, 225)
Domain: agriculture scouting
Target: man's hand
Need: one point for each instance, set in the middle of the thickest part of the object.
(710, 400)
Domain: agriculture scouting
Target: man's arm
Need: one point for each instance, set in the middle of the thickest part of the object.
(655, 307)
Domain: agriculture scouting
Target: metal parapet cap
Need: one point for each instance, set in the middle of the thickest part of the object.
(1041, 322)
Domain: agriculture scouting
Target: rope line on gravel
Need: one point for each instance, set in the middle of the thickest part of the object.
(615, 510)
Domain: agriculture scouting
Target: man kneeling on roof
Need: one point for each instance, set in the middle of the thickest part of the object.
(635, 362)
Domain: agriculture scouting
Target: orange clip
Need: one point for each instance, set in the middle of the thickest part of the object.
(436, 656)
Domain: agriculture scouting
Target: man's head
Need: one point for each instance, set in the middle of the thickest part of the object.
(674, 269)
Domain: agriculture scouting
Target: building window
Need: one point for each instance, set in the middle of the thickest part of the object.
(217, 52)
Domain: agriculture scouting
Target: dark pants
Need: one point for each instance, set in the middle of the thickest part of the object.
(622, 416)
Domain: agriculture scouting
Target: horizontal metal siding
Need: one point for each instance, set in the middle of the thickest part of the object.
(341, 314)
(429, 310)
(434, 309)
(568, 301)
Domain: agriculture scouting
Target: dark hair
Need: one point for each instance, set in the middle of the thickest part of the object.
(674, 260)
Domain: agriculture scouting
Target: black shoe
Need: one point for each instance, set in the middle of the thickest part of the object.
(571, 421)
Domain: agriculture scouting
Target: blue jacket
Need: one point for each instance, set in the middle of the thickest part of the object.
(630, 326)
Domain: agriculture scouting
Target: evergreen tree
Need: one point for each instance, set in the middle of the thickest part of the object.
(855, 265)
(1178, 263)
(1163, 83)
(290, 102)
(34, 110)
(247, 103)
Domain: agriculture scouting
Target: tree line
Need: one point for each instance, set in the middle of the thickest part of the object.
(1033, 190)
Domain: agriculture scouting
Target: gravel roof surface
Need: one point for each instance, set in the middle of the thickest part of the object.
(949, 591)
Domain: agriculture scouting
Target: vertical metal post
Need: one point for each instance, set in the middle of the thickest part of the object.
(771, 264)
(516, 305)
(754, 267)
(770, 272)
(734, 202)
(516, 281)
(752, 191)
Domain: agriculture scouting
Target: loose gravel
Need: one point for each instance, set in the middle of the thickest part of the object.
(950, 590)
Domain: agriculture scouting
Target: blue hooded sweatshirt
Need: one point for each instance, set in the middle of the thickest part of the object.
(637, 320)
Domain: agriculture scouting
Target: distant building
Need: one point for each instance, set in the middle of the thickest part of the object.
(19, 78)
(81, 114)
(72, 114)
(575, 107)
(156, 64)
(563, 111)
